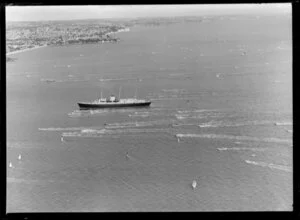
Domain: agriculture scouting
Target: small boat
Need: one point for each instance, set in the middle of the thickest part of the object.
(194, 184)
(113, 102)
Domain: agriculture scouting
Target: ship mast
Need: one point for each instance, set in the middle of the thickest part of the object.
(135, 93)
(120, 92)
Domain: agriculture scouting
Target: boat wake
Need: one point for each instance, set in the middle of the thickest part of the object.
(48, 80)
(24, 145)
(216, 124)
(185, 116)
(286, 123)
(87, 113)
(241, 149)
(137, 124)
(119, 79)
(174, 91)
(66, 129)
(199, 115)
(270, 165)
(27, 181)
(177, 94)
(195, 111)
(141, 114)
(112, 133)
(232, 137)
(147, 114)
(82, 113)
(180, 75)
(70, 79)
(105, 128)
(179, 125)
(134, 112)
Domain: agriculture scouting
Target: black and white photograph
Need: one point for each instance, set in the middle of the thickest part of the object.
(149, 108)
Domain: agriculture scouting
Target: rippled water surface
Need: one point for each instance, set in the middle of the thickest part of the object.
(221, 116)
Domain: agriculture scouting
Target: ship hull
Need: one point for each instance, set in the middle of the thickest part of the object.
(112, 105)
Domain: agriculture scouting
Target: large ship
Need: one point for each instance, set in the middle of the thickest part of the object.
(113, 102)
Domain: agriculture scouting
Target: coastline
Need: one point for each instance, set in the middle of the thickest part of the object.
(119, 31)
(24, 50)
(37, 47)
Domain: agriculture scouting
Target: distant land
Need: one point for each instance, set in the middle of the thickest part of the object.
(25, 35)
(22, 36)
(28, 35)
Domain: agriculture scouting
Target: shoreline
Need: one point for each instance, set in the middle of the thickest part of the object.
(37, 47)
(119, 31)
(24, 50)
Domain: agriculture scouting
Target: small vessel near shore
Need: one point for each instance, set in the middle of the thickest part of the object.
(113, 102)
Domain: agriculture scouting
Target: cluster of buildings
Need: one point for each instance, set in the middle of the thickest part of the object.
(23, 35)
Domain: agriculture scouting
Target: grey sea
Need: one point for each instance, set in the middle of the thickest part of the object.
(218, 135)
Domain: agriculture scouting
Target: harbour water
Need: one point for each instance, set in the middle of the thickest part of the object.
(217, 136)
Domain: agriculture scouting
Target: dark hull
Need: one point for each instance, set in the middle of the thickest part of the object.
(114, 105)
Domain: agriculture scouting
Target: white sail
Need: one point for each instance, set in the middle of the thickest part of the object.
(194, 184)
